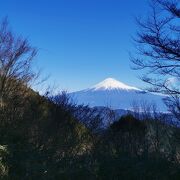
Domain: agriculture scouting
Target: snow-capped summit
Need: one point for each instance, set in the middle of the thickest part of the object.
(117, 95)
(110, 84)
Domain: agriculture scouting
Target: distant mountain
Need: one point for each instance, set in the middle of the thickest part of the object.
(116, 95)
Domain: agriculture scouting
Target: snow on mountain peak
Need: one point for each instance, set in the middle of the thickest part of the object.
(110, 84)
(117, 95)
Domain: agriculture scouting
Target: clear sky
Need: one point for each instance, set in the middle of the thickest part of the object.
(80, 42)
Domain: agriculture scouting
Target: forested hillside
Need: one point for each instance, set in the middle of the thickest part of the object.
(50, 137)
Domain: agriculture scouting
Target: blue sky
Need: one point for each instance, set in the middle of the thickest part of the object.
(80, 42)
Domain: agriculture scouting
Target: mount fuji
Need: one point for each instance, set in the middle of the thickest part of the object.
(116, 95)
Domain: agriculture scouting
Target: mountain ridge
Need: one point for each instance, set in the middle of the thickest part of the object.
(116, 95)
(110, 83)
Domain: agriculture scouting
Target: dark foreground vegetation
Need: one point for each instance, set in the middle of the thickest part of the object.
(46, 137)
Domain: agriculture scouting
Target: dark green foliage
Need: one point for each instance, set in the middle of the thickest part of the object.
(124, 168)
(51, 138)
(44, 139)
